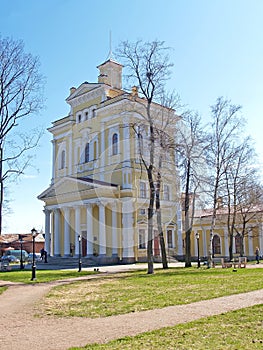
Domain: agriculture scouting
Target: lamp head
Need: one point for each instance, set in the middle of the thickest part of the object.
(34, 232)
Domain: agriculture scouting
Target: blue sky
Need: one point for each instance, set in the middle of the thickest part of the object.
(217, 50)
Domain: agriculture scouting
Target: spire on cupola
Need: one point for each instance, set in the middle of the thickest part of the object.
(110, 71)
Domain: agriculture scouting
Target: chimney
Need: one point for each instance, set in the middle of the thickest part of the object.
(72, 89)
(134, 91)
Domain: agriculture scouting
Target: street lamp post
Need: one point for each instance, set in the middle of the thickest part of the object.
(80, 262)
(21, 253)
(198, 254)
(34, 233)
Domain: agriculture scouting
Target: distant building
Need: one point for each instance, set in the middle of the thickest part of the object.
(14, 241)
(245, 238)
(99, 188)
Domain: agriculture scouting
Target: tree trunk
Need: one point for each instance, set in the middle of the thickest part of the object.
(150, 223)
(231, 237)
(1, 189)
(188, 228)
(159, 222)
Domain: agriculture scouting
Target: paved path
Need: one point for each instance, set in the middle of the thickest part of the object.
(21, 330)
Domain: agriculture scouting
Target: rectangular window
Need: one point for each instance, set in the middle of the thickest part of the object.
(142, 241)
(142, 211)
(166, 193)
(142, 189)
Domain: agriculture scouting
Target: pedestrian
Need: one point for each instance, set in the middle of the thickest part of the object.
(42, 252)
(257, 255)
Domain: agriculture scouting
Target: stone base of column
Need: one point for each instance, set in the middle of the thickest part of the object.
(104, 259)
(129, 260)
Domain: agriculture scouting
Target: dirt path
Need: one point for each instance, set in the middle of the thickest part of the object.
(21, 330)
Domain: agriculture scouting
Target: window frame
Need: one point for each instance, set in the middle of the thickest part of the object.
(143, 189)
(87, 153)
(115, 143)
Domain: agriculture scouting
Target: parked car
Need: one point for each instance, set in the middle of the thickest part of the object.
(10, 258)
(37, 257)
(17, 254)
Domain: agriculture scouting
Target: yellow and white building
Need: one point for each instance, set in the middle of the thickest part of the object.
(251, 238)
(98, 196)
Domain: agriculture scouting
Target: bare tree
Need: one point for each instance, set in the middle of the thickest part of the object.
(21, 87)
(191, 146)
(148, 67)
(250, 212)
(224, 130)
(238, 169)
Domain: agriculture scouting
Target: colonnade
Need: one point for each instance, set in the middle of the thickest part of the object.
(64, 221)
(249, 241)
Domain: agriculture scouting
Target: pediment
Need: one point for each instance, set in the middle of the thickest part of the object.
(70, 185)
(74, 186)
(82, 90)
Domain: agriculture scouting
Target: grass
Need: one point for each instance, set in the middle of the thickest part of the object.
(2, 289)
(241, 329)
(137, 291)
(24, 276)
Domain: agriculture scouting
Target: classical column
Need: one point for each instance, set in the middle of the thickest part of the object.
(195, 242)
(102, 152)
(47, 230)
(226, 242)
(250, 243)
(173, 237)
(102, 230)
(53, 161)
(77, 230)
(128, 230)
(70, 170)
(179, 232)
(89, 230)
(57, 232)
(204, 241)
(114, 229)
(66, 232)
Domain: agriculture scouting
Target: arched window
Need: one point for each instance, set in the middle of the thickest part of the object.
(216, 245)
(114, 144)
(63, 160)
(87, 153)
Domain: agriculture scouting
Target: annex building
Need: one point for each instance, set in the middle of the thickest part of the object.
(98, 197)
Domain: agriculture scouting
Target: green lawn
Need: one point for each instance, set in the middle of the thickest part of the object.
(137, 291)
(112, 294)
(24, 276)
(241, 329)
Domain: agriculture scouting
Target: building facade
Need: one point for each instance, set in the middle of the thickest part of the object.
(98, 197)
(247, 235)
